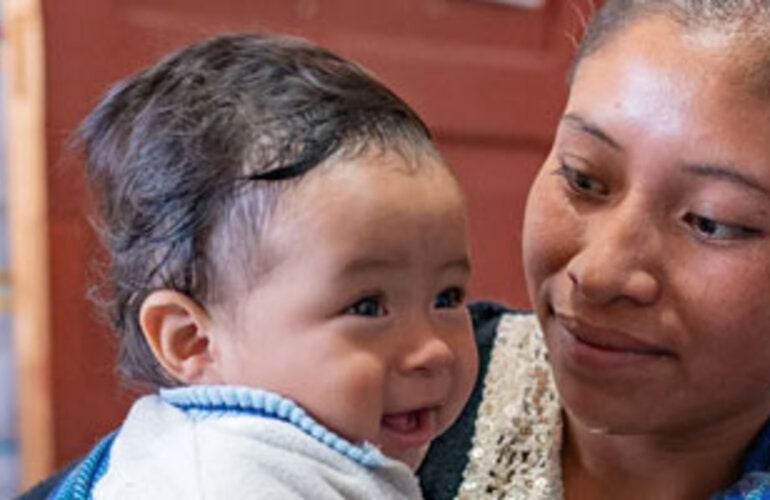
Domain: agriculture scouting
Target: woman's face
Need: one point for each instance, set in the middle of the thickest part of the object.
(647, 238)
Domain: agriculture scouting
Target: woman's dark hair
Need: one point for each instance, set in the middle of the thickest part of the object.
(744, 21)
(186, 160)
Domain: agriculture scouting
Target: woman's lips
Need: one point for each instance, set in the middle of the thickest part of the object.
(593, 346)
(411, 428)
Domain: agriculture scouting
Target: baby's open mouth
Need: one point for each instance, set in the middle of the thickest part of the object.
(411, 428)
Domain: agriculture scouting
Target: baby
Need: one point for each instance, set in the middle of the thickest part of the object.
(289, 264)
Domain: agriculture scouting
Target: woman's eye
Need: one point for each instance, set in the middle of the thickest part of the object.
(581, 182)
(711, 229)
(371, 306)
(450, 298)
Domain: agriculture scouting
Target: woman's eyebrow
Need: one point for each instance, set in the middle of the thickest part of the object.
(593, 129)
(727, 173)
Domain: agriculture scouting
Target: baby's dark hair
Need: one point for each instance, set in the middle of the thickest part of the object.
(188, 157)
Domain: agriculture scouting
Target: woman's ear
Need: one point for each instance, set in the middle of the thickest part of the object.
(178, 331)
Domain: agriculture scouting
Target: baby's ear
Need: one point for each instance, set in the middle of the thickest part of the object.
(177, 329)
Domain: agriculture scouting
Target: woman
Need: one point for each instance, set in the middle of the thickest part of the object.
(647, 258)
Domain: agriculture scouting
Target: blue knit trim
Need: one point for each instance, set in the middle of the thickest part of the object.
(213, 400)
(758, 457)
(755, 481)
(752, 486)
(79, 483)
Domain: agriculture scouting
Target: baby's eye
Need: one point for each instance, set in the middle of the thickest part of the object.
(711, 229)
(582, 183)
(450, 298)
(371, 306)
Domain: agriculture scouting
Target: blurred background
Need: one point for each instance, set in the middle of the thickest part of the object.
(488, 76)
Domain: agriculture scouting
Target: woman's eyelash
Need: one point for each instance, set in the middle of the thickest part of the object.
(581, 182)
(711, 229)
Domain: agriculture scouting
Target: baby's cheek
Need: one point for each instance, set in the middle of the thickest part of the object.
(467, 367)
(360, 387)
(464, 380)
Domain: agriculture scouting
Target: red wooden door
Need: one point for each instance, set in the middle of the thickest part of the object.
(487, 77)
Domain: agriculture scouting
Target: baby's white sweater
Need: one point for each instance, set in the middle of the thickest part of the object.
(164, 451)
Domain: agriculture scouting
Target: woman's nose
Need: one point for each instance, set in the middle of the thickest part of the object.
(619, 258)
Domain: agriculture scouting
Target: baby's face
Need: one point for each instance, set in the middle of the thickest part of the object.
(362, 320)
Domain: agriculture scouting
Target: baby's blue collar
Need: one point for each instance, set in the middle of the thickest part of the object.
(207, 400)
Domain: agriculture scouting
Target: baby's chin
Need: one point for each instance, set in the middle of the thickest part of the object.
(412, 457)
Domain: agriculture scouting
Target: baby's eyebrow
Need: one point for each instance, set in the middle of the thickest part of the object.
(729, 173)
(362, 264)
(462, 263)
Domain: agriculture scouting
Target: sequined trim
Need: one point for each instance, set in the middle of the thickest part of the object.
(515, 450)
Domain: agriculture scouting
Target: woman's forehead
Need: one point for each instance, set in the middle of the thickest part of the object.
(665, 99)
(734, 41)
(656, 65)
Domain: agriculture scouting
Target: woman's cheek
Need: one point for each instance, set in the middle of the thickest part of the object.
(551, 231)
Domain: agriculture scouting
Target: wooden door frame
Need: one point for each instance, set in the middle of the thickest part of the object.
(23, 67)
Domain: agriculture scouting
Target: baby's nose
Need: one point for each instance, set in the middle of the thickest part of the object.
(428, 354)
